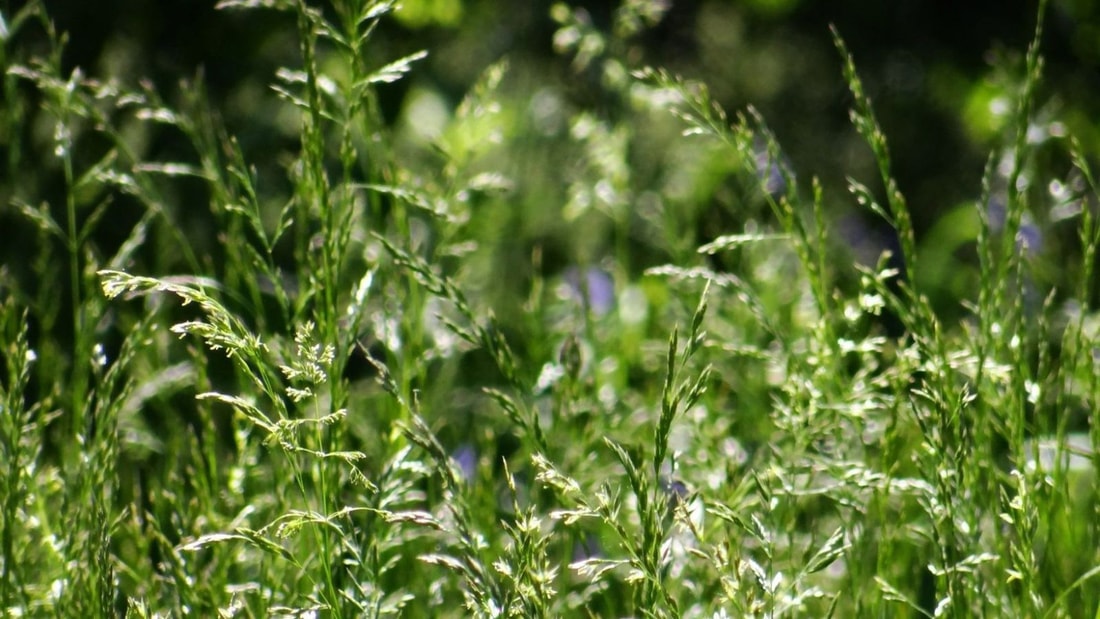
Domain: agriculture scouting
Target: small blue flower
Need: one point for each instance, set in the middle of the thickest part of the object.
(466, 459)
(676, 490)
(597, 292)
(769, 170)
(1029, 239)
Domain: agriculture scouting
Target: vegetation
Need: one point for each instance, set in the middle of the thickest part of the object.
(528, 356)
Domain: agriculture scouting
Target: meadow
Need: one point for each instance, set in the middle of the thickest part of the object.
(522, 357)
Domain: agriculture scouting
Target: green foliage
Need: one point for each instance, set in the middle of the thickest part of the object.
(507, 367)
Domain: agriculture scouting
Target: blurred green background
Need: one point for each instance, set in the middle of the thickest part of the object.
(942, 75)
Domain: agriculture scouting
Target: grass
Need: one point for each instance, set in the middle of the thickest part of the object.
(379, 390)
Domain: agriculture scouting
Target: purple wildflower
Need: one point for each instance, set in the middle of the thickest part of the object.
(596, 292)
(769, 170)
(1029, 239)
(466, 459)
(676, 490)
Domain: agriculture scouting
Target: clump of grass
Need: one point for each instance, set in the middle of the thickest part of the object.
(333, 412)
